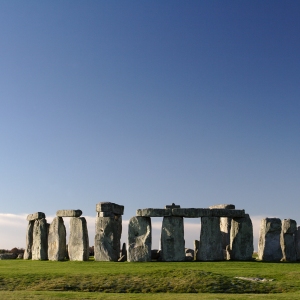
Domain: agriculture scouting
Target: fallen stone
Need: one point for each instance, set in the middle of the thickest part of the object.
(153, 212)
(287, 240)
(20, 256)
(139, 239)
(241, 239)
(36, 216)
(189, 257)
(172, 239)
(78, 247)
(190, 251)
(29, 241)
(40, 240)
(8, 256)
(122, 258)
(69, 213)
(269, 248)
(57, 240)
(210, 247)
(110, 207)
(108, 232)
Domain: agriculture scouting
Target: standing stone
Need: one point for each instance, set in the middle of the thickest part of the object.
(172, 239)
(287, 240)
(108, 232)
(241, 239)
(269, 248)
(196, 248)
(57, 240)
(29, 241)
(78, 246)
(139, 239)
(225, 224)
(40, 240)
(210, 247)
(297, 241)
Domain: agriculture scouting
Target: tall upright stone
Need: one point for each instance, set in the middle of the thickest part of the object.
(139, 239)
(57, 240)
(241, 239)
(29, 241)
(78, 246)
(287, 240)
(225, 224)
(269, 248)
(297, 241)
(172, 239)
(108, 230)
(210, 246)
(40, 240)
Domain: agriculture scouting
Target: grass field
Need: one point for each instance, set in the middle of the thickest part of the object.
(22, 279)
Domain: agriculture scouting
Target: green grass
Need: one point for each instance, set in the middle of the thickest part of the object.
(22, 279)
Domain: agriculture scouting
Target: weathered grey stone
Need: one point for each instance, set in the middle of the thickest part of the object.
(206, 212)
(241, 239)
(269, 248)
(225, 224)
(222, 206)
(122, 258)
(297, 241)
(172, 239)
(287, 240)
(36, 216)
(57, 240)
(154, 212)
(110, 207)
(21, 256)
(29, 241)
(105, 214)
(139, 239)
(124, 250)
(78, 246)
(108, 232)
(189, 257)
(69, 213)
(40, 240)
(196, 248)
(210, 247)
(8, 256)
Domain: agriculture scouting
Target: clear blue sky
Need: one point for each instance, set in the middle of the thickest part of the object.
(145, 103)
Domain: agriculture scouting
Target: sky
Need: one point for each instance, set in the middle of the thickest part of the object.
(148, 103)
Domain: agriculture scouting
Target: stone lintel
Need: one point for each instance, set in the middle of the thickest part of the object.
(154, 212)
(223, 206)
(69, 213)
(206, 212)
(110, 207)
(36, 216)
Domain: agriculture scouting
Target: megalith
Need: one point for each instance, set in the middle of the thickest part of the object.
(269, 248)
(108, 230)
(225, 224)
(297, 241)
(287, 240)
(241, 239)
(57, 240)
(210, 246)
(29, 241)
(78, 247)
(172, 239)
(139, 239)
(40, 240)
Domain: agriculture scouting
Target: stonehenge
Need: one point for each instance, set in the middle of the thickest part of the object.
(108, 230)
(226, 234)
